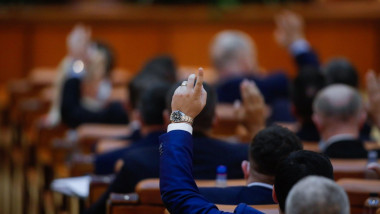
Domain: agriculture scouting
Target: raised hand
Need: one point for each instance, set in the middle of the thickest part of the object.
(289, 28)
(254, 110)
(78, 41)
(189, 98)
(373, 90)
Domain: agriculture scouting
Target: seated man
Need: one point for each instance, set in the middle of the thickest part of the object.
(209, 153)
(152, 125)
(319, 194)
(338, 115)
(234, 57)
(303, 91)
(268, 148)
(85, 93)
(179, 191)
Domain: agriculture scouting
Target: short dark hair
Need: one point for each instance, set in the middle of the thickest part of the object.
(109, 54)
(153, 104)
(271, 146)
(341, 70)
(163, 67)
(157, 70)
(305, 87)
(296, 166)
(203, 122)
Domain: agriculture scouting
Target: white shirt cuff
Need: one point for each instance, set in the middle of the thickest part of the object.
(299, 46)
(180, 126)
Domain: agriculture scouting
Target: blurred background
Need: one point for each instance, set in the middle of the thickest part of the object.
(33, 43)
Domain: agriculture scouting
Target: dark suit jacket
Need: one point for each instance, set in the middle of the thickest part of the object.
(346, 149)
(308, 132)
(239, 194)
(104, 163)
(179, 191)
(73, 114)
(142, 163)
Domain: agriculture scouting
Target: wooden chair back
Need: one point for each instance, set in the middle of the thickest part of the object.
(147, 198)
(358, 191)
(350, 168)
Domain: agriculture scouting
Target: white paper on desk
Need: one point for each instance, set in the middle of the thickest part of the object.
(74, 186)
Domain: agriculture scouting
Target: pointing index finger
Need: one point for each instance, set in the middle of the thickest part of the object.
(190, 81)
(199, 83)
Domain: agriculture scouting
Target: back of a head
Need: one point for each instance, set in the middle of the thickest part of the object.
(163, 67)
(158, 70)
(317, 195)
(229, 45)
(153, 103)
(271, 146)
(108, 53)
(203, 122)
(304, 89)
(340, 70)
(296, 166)
(340, 102)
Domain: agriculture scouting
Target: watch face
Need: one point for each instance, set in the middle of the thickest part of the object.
(176, 116)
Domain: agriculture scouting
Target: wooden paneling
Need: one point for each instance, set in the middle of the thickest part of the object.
(35, 36)
(11, 53)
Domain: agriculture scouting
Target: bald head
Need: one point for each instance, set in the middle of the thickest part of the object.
(338, 101)
(317, 195)
(232, 49)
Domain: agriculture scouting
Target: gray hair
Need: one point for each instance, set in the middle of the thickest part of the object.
(227, 45)
(338, 101)
(317, 195)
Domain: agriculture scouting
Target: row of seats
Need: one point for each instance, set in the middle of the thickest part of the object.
(40, 153)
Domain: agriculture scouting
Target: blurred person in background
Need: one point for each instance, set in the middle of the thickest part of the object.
(160, 70)
(340, 70)
(234, 57)
(83, 85)
(339, 115)
(85, 94)
(305, 87)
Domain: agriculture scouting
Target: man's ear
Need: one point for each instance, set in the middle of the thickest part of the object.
(317, 121)
(166, 117)
(245, 166)
(274, 197)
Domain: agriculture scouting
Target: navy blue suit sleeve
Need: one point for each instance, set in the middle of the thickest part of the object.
(179, 191)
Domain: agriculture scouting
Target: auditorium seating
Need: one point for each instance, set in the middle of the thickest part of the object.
(147, 198)
(350, 168)
(358, 191)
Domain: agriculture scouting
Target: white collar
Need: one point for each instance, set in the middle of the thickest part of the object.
(260, 185)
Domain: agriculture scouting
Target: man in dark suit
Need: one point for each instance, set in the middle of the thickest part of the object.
(304, 88)
(209, 153)
(338, 115)
(179, 191)
(268, 148)
(234, 57)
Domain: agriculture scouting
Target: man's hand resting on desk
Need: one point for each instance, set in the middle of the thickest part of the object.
(190, 99)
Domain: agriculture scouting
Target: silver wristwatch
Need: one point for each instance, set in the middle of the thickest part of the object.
(180, 117)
